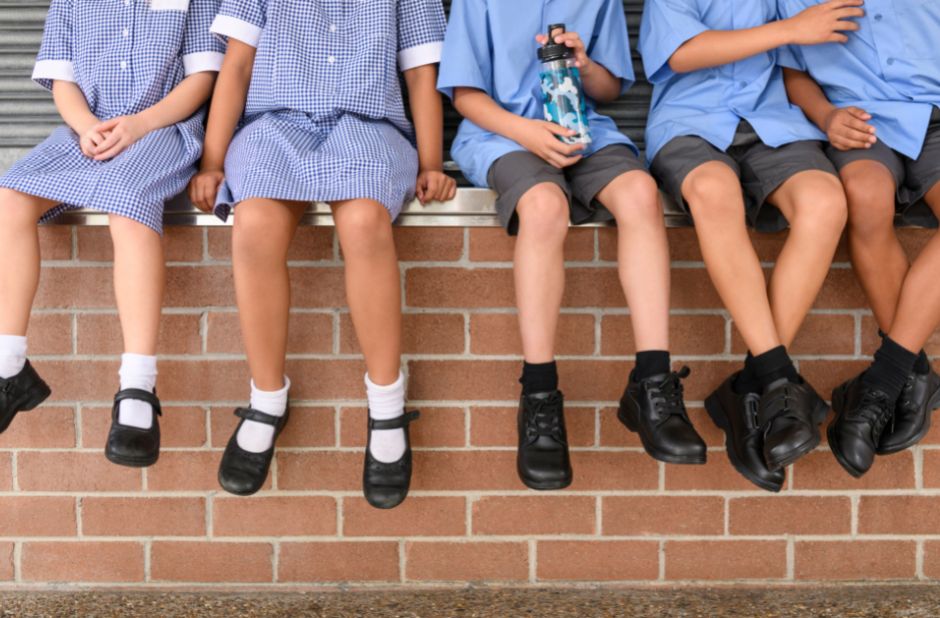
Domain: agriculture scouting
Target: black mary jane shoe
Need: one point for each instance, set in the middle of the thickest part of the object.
(386, 485)
(21, 393)
(133, 446)
(242, 472)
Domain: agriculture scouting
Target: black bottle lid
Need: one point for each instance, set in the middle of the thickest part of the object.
(552, 51)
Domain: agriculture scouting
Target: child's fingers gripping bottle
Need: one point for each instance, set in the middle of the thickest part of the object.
(563, 94)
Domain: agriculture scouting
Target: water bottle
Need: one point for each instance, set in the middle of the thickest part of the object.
(562, 92)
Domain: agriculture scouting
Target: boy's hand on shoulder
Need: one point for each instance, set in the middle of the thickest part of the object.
(204, 188)
(541, 139)
(573, 41)
(122, 133)
(435, 186)
(826, 22)
(848, 129)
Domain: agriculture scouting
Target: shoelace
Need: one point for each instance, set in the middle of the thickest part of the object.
(667, 398)
(874, 409)
(544, 418)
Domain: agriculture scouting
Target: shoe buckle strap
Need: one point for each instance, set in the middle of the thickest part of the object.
(138, 394)
(399, 422)
(250, 414)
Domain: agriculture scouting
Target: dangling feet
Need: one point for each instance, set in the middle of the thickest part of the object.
(249, 452)
(386, 476)
(134, 437)
(21, 388)
(542, 461)
(919, 398)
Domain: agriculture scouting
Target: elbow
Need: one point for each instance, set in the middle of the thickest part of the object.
(679, 65)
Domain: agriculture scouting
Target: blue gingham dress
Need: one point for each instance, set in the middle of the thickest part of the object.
(126, 56)
(325, 117)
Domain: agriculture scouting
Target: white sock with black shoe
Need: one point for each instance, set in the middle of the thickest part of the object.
(140, 372)
(256, 437)
(387, 403)
(12, 355)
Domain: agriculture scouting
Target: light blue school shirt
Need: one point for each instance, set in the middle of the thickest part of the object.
(710, 103)
(490, 45)
(890, 67)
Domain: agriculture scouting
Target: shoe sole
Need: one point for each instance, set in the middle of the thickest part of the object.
(838, 405)
(651, 450)
(131, 462)
(804, 449)
(30, 404)
(239, 493)
(717, 413)
(932, 406)
(544, 486)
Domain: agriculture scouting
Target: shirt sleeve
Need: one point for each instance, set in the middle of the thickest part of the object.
(55, 53)
(467, 61)
(421, 27)
(241, 19)
(201, 50)
(610, 44)
(791, 57)
(667, 25)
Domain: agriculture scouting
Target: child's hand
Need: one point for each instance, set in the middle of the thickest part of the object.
(572, 40)
(825, 23)
(122, 133)
(848, 129)
(204, 188)
(541, 139)
(89, 141)
(435, 186)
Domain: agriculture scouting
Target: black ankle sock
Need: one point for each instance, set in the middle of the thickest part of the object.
(893, 364)
(539, 378)
(922, 364)
(747, 381)
(651, 363)
(774, 365)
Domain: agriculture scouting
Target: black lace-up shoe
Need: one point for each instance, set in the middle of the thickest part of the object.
(654, 408)
(385, 485)
(21, 393)
(737, 416)
(543, 461)
(133, 446)
(242, 472)
(862, 413)
(911, 421)
(790, 414)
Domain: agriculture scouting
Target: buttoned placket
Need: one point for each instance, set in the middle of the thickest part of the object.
(883, 26)
(127, 20)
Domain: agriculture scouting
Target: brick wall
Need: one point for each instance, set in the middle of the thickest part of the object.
(67, 515)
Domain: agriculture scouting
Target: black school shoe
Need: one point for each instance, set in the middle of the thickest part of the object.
(911, 421)
(133, 446)
(790, 414)
(738, 416)
(386, 485)
(862, 414)
(21, 393)
(242, 472)
(654, 409)
(542, 461)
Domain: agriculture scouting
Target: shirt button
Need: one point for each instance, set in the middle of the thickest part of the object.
(331, 59)
(879, 17)
(127, 2)
(123, 65)
(125, 33)
(890, 61)
(743, 84)
(332, 27)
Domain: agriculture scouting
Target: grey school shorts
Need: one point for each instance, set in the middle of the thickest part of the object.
(761, 168)
(512, 175)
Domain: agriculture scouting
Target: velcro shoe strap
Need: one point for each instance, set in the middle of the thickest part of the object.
(250, 414)
(394, 423)
(137, 394)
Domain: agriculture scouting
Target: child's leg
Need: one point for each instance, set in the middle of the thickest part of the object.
(813, 202)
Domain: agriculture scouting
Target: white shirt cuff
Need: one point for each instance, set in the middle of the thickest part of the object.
(414, 57)
(232, 27)
(201, 62)
(61, 70)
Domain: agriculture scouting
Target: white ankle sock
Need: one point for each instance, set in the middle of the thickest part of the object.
(386, 403)
(12, 355)
(137, 371)
(256, 437)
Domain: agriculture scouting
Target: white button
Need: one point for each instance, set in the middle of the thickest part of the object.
(123, 65)
(125, 32)
(331, 59)
(332, 27)
(127, 2)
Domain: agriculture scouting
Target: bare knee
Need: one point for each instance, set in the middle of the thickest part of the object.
(128, 230)
(364, 228)
(257, 237)
(634, 200)
(544, 213)
(820, 205)
(713, 193)
(871, 195)
(18, 211)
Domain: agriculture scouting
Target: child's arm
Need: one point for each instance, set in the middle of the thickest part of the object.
(847, 128)
(182, 102)
(73, 107)
(537, 136)
(822, 23)
(228, 105)
(599, 83)
(427, 110)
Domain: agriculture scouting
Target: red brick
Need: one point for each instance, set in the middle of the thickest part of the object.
(898, 515)
(459, 287)
(6, 472)
(931, 559)
(199, 286)
(613, 470)
(310, 333)
(37, 516)
(143, 516)
(100, 333)
(790, 515)
(55, 242)
(84, 381)
(597, 560)
(463, 380)
(871, 340)
(855, 559)
(420, 244)
(305, 427)
(593, 380)
(821, 334)
(274, 516)
(416, 516)
(725, 560)
(47, 427)
(497, 426)
(311, 244)
(75, 287)
(931, 468)
(533, 515)
(322, 471)
(441, 561)
(6, 561)
(820, 470)
(600, 287)
(437, 427)
(79, 561)
(73, 471)
(317, 287)
(663, 515)
(339, 562)
(465, 470)
(422, 333)
(179, 427)
(495, 245)
(186, 471)
(826, 375)
(498, 333)
(50, 334)
(180, 244)
(195, 561)
(717, 474)
(691, 335)
(841, 291)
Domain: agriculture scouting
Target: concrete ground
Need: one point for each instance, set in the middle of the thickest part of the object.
(837, 602)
